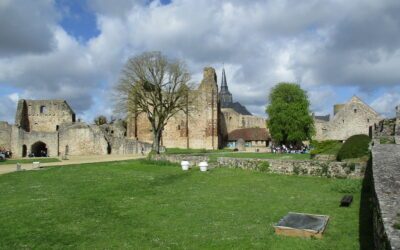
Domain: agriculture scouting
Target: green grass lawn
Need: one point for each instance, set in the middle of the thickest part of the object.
(29, 160)
(142, 205)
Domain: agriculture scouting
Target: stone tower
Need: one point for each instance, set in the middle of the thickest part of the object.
(225, 96)
(197, 128)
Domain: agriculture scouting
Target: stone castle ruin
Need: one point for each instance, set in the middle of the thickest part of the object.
(48, 127)
(211, 117)
(213, 120)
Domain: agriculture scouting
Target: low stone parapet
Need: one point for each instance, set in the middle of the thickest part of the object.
(279, 166)
(297, 167)
(177, 158)
(386, 202)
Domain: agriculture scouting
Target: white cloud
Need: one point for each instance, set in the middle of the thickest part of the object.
(386, 103)
(320, 45)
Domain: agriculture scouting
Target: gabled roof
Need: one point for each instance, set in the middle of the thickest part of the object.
(356, 99)
(322, 117)
(249, 134)
(237, 107)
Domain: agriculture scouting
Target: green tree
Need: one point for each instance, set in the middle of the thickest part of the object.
(289, 120)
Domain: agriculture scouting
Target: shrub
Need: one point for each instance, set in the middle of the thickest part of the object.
(263, 166)
(325, 170)
(296, 170)
(355, 147)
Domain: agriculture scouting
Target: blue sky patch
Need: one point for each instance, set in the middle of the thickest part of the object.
(77, 19)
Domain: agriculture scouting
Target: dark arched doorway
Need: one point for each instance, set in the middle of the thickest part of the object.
(24, 150)
(39, 149)
(108, 148)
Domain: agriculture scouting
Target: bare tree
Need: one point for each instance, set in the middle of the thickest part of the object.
(152, 84)
(100, 120)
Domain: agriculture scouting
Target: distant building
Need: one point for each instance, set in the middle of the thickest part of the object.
(351, 118)
(253, 137)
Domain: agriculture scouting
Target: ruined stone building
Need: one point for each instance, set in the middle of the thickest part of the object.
(209, 120)
(387, 131)
(351, 118)
(49, 127)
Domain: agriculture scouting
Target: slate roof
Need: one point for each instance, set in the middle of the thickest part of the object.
(249, 134)
(237, 107)
(322, 117)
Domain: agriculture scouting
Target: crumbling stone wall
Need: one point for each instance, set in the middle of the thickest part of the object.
(5, 136)
(233, 120)
(386, 182)
(354, 117)
(387, 131)
(21, 139)
(43, 115)
(197, 129)
(296, 167)
(82, 139)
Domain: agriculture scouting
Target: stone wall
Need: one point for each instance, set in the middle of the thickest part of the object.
(386, 182)
(384, 131)
(82, 139)
(198, 129)
(21, 139)
(43, 115)
(177, 158)
(5, 136)
(387, 131)
(233, 120)
(298, 167)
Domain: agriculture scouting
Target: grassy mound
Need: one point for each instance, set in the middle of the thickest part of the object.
(328, 147)
(355, 147)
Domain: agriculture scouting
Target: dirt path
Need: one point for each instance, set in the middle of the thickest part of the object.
(7, 168)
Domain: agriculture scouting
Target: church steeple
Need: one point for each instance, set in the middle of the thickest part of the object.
(224, 95)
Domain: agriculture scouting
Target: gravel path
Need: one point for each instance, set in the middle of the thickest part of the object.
(7, 168)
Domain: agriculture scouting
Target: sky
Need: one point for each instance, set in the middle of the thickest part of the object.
(75, 49)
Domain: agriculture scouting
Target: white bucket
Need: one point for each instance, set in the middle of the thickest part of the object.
(185, 165)
(203, 166)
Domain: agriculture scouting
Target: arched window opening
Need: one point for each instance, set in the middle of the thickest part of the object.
(24, 150)
(39, 149)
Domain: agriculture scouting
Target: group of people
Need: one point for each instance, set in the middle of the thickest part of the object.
(6, 153)
(303, 149)
(42, 153)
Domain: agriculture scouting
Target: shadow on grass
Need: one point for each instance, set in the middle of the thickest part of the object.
(366, 234)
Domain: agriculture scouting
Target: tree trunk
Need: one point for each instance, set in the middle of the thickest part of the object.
(156, 141)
